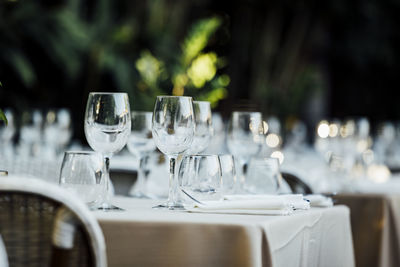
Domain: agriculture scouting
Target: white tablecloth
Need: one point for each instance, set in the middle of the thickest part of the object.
(142, 236)
(375, 219)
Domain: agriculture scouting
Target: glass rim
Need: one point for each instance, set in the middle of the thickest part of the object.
(225, 155)
(141, 112)
(266, 159)
(108, 93)
(81, 152)
(201, 155)
(246, 112)
(173, 96)
(201, 101)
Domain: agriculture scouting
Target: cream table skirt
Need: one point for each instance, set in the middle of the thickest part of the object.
(375, 221)
(142, 236)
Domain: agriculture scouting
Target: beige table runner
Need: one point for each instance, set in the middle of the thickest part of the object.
(142, 236)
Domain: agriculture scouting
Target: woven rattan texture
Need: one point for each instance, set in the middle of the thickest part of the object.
(26, 225)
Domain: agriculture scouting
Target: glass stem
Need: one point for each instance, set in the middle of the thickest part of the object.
(106, 199)
(196, 168)
(173, 183)
(243, 172)
(141, 179)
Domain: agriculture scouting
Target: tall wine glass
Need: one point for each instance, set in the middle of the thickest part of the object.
(204, 130)
(141, 144)
(7, 134)
(107, 128)
(173, 131)
(30, 133)
(245, 137)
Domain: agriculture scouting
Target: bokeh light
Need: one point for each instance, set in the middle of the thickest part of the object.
(323, 129)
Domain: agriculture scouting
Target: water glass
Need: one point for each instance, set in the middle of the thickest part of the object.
(228, 174)
(200, 177)
(263, 176)
(82, 173)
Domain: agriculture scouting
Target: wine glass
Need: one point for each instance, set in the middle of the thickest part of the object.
(200, 177)
(245, 137)
(204, 130)
(7, 134)
(30, 136)
(173, 131)
(141, 144)
(107, 128)
(57, 131)
(81, 173)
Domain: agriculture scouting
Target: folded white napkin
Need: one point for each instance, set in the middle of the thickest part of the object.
(317, 200)
(295, 201)
(256, 207)
(253, 204)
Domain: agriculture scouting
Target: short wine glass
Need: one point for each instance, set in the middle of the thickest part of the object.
(173, 131)
(141, 144)
(245, 138)
(204, 130)
(107, 128)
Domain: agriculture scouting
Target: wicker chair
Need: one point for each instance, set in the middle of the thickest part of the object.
(43, 225)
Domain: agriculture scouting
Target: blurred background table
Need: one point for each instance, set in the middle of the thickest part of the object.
(142, 236)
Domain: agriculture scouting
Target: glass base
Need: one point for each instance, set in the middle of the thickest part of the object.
(108, 207)
(170, 206)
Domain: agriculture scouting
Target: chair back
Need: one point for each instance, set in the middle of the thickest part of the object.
(3, 254)
(42, 224)
(296, 184)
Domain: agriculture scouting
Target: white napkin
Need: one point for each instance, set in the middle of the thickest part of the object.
(255, 207)
(253, 204)
(295, 201)
(317, 200)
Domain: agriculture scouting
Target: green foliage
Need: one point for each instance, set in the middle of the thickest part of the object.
(59, 34)
(3, 117)
(198, 38)
(142, 54)
(191, 71)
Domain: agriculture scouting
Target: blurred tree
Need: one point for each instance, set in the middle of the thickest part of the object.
(281, 54)
(191, 72)
(74, 47)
